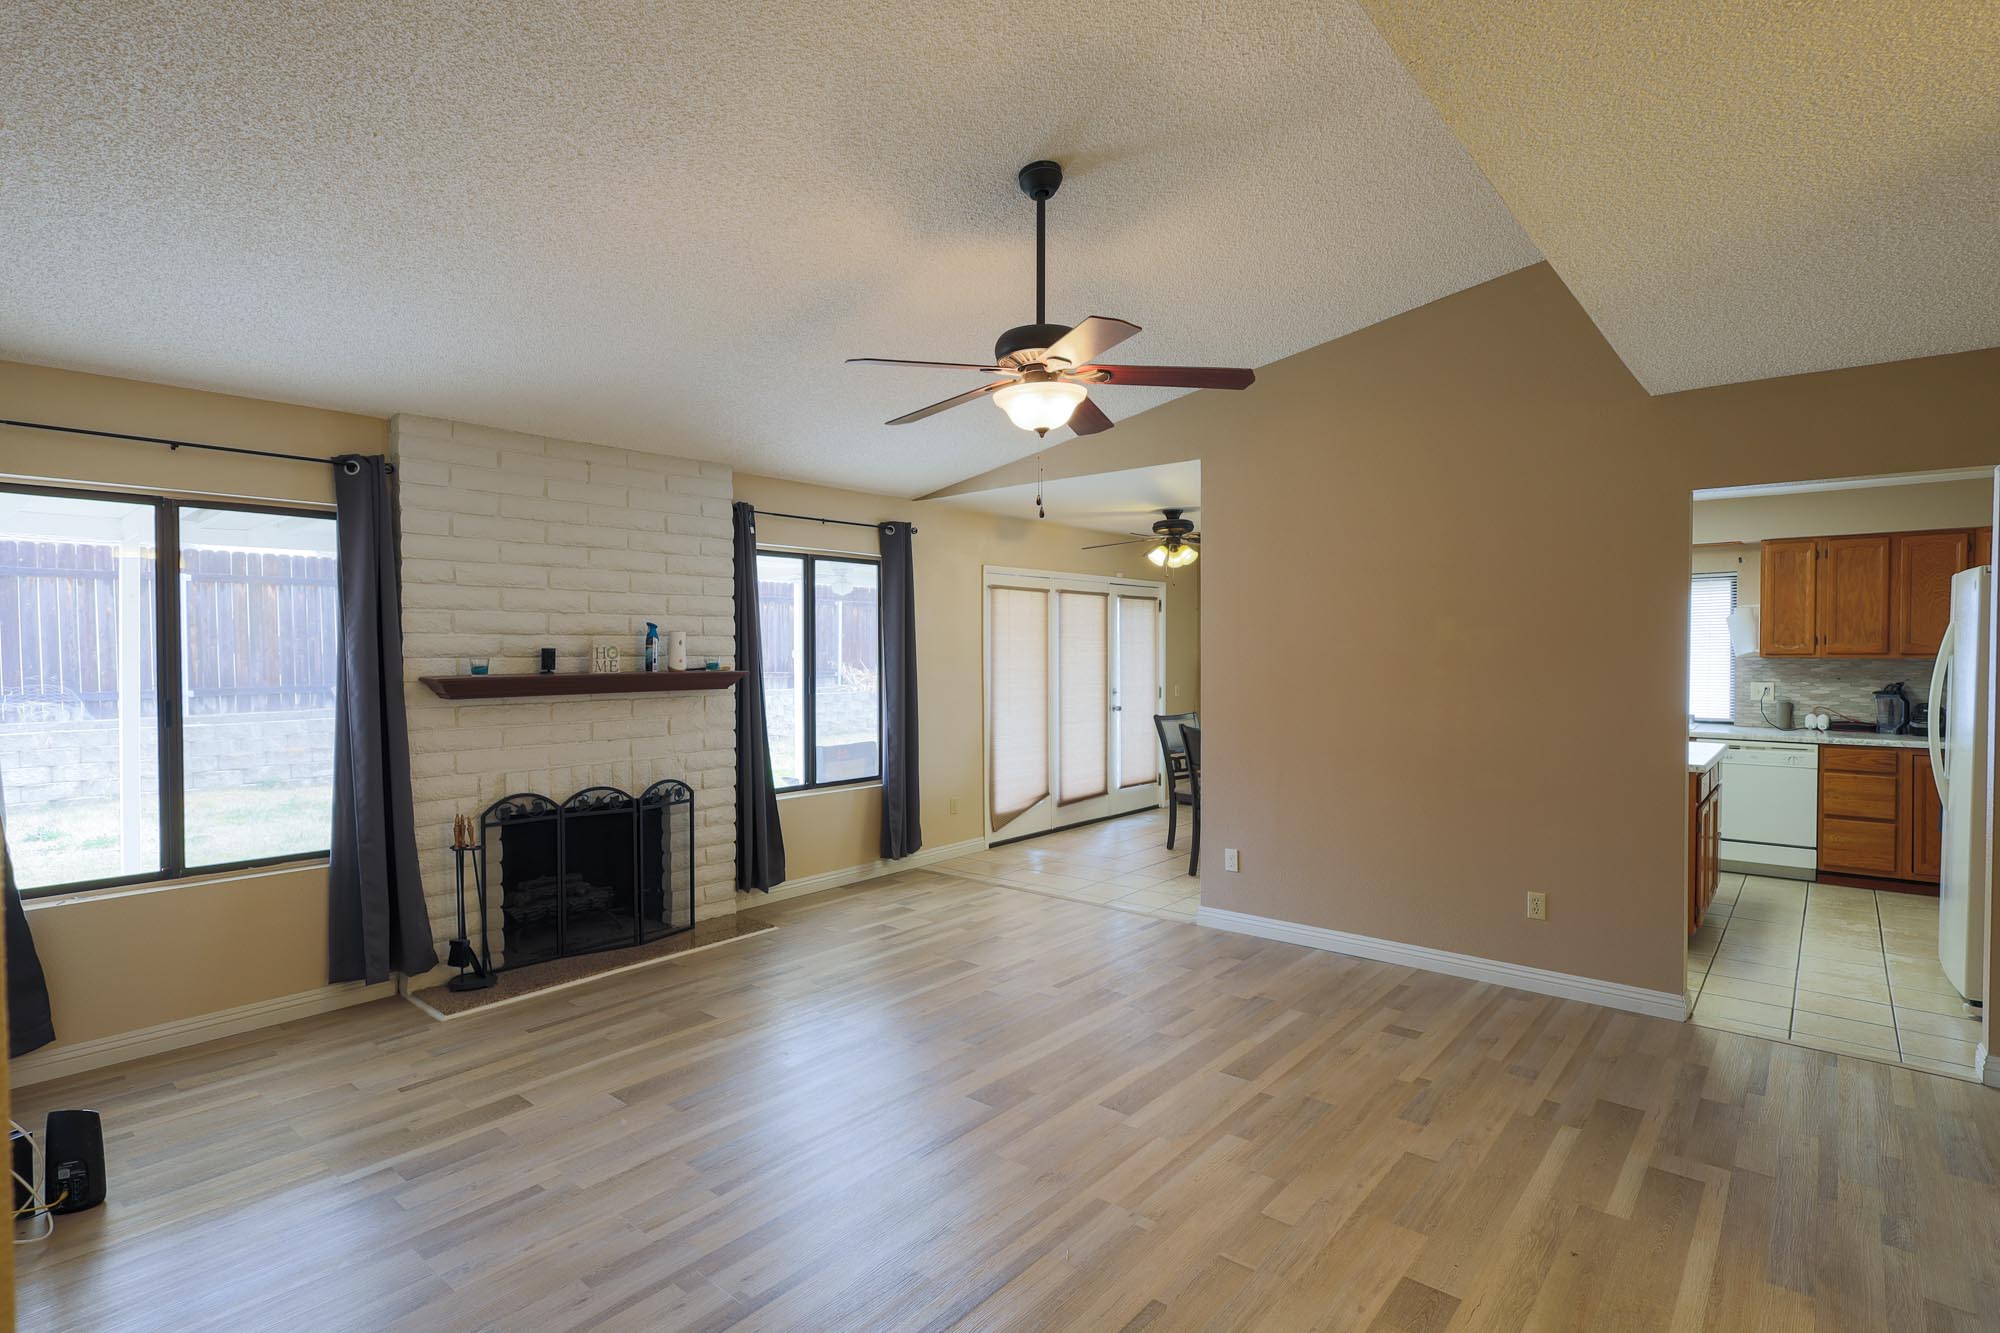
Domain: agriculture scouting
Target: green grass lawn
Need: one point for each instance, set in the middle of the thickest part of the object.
(79, 840)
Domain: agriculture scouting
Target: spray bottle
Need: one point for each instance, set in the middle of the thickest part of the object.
(652, 646)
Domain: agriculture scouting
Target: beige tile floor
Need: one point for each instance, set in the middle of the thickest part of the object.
(1122, 863)
(1840, 969)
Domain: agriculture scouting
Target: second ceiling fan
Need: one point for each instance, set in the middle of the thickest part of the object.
(1042, 371)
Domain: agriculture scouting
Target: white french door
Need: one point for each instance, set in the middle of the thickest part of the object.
(1074, 669)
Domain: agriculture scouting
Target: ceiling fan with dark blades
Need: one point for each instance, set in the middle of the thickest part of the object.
(1175, 542)
(1045, 370)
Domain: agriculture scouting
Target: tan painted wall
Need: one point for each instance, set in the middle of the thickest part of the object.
(1753, 519)
(827, 831)
(1184, 639)
(1948, 504)
(1417, 493)
(122, 961)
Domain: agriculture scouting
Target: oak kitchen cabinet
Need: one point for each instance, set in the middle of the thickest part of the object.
(1787, 626)
(1879, 814)
(1925, 562)
(1704, 825)
(1873, 595)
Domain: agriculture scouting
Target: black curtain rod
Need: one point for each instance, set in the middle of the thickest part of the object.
(172, 444)
(815, 518)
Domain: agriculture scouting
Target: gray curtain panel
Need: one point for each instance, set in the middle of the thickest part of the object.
(902, 820)
(760, 842)
(29, 1023)
(377, 922)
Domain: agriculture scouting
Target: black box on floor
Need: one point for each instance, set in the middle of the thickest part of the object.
(73, 1161)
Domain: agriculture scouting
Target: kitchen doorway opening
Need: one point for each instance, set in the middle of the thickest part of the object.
(1840, 716)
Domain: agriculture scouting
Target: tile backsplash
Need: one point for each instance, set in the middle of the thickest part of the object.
(1844, 687)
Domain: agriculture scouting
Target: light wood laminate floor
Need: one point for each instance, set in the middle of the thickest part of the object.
(928, 1103)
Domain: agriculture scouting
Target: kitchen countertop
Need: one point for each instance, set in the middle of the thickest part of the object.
(1704, 755)
(1723, 731)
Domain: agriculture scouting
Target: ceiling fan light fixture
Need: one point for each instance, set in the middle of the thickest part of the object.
(1181, 557)
(1158, 555)
(1040, 405)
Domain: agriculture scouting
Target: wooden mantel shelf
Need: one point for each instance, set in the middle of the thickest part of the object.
(524, 685)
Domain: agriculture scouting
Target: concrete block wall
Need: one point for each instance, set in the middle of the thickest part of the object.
(512, 543)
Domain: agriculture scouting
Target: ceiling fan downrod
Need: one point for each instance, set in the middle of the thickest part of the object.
(1039, 181)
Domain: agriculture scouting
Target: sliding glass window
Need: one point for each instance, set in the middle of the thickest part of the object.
(102, 784)
(821, 621)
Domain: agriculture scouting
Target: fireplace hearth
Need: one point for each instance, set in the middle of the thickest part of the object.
(600, 870)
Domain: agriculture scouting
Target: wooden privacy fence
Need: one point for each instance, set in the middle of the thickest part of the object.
(849, 628)
(260, 630)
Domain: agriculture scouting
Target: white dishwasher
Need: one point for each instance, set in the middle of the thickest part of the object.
(1770, 808)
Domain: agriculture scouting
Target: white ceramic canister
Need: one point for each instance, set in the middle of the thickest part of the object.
(677, 650)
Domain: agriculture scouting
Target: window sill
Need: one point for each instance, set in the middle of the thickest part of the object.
(65, 897)
(835, 790)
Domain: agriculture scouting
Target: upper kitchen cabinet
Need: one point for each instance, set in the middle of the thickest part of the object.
(1885, 594)
(1853, 596)
(1925, 563)
(1787, 623)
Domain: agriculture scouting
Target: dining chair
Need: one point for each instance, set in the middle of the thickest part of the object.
(1174, 764)
(1191, 737)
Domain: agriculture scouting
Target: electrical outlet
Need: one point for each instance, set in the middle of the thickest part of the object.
(1538, 907)
(1765, 690)
(1229, 861)
(954, 805)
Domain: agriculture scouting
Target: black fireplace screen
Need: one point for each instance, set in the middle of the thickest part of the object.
(601, 870)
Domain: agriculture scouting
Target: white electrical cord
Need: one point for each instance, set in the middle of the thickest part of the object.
(36, 1207)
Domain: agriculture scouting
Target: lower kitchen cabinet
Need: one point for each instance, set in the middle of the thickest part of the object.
(1923, 817)
(1704, 842)
(1879, 814)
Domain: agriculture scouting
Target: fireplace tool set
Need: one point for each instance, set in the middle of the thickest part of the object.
(475, 971)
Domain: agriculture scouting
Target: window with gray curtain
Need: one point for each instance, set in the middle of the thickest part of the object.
(154, 731)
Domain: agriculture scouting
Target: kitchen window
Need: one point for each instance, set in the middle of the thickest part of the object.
(1711, 664)
(151, 728)
(821, 621)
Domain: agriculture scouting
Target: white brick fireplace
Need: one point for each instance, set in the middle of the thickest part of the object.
(513, 543)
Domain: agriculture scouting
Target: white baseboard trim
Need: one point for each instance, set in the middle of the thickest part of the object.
(1610, 994)
(1985, 1070)
(838, 879)
(83, 1056)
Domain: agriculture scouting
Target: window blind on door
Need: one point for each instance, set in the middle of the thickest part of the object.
(1083, 652)
(1018, 630)
(1711, 664)
(1138, 689)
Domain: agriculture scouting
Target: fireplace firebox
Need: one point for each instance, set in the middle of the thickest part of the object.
(601, 870)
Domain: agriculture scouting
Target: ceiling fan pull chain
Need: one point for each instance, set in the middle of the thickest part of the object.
(1039, 511)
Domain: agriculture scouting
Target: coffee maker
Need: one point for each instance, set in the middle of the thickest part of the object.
(1892, 709)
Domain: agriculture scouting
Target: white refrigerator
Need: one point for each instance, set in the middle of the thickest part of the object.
(1958, 762)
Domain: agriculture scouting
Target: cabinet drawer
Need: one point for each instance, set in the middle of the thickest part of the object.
(1857, 846)
(1858, 759)
(1858, 795)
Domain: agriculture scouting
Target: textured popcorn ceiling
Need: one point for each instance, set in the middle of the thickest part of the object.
(1737, 188)
(1118, 503)
(664, 226)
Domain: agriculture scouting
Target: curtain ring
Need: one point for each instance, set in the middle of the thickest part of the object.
(351, 466)
(888, 529)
